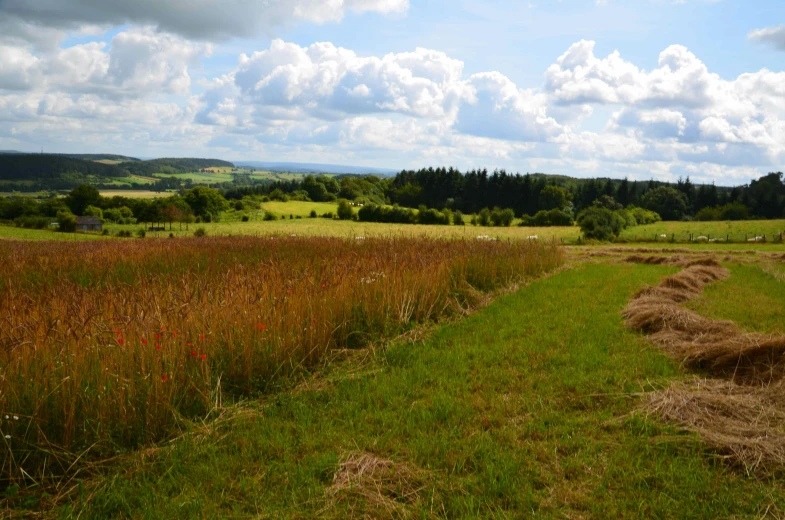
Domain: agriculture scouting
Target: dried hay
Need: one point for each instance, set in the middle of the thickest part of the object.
(741, 415)
(374, 487)
(736, 421)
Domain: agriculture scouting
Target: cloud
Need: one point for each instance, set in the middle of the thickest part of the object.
(195, 19)
(774, 36)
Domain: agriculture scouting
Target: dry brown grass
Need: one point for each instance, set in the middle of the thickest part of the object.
(368, 486)
(742, 414)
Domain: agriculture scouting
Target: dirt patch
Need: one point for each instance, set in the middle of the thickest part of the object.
(741, 412)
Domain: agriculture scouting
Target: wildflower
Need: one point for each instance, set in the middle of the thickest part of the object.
(163, 328)
(174, 334)
(120, 341)
(144, 342)
(203, 356)
(193, 353)
(288, 291)
(322, 286)
(157, 336)
(261, 327)
(201, 336)
(164, 378)
(189, 344)
(157, 347)
(313, 321)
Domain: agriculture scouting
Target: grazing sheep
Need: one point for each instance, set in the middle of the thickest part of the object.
(702, 238)
(663, 236)
(533, 237)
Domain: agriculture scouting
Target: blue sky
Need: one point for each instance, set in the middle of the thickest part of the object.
(638, 88)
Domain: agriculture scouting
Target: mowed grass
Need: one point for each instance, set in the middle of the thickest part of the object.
(753, 297)
(735, 231)
(523, 410)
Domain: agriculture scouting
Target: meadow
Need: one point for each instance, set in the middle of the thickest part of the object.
(113, 345)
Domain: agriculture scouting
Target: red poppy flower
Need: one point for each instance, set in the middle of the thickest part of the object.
(120, 341)
(174, 334)
(288, 292)
(157, 336)
(118, 331)
(193, 353)
(189, 344)
(163, 328)
(164, 378)
(158, 347)
(261, 327)
(144, 342)
(201, 336)
(314, 320)
(203, 356)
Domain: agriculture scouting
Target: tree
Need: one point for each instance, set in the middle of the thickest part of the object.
(66, 221)
(206, 201)
(92, 211)
(317, 191)
(344, 210)
(668, 202)
(81, 197)
(554, 197)
(600, 223)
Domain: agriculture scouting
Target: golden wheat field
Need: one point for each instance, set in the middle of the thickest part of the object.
(106, 345)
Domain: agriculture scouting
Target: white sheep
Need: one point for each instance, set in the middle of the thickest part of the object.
(663, 236)
(702, 238)
(533, 237)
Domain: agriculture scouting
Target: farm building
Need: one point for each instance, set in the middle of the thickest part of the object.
(89, 224)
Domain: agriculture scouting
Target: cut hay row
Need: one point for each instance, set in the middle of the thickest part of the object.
(741, 412)
(109, 346)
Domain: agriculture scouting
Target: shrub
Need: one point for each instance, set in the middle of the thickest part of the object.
(707, 214)
(396, 215)
(484, 217)
(313, 214)
(457, 218)
(502, 217)
(600, 223)
(431, 216)
(270, 216)
(31, 222)
(644, 216)
(66, 221)
(344, 210)
(200, 232)
(245, 218)
(554, 217)
(734, 211)
(124, 233)
(329, 215)
(141, 233)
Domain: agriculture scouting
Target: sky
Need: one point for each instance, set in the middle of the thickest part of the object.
(641, 89)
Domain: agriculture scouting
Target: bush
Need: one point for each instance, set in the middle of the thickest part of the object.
(66, 221)
(431, 216)
(484, 217)
(502, 217)
(344, 210)
(734, 211)
(313, 214)
(707, 214)
(644, 216)
(124, 233)
(554, 217)
(270, 216)
(200, 232)
(32, 222)
(457, 219)
(245, 218)
(141, 233)
(329, 215)
(600, 223)
(395, 215)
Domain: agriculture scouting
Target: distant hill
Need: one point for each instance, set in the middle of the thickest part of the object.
(100, 157)
(313, 168)
(37, 167)
(172, 165)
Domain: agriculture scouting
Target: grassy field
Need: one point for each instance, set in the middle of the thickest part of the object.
(753, 297)
(17, 233)
(302, 209)
(735, 231)
(525, 409)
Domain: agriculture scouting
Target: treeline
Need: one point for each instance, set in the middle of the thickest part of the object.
(31, 167)
(170, 165)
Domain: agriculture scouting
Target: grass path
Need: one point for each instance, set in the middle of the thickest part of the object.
(520, 410)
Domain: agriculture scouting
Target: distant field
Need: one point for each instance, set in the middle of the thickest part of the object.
(215, 175)
(300, 208)
(735, 231)
(135, 194)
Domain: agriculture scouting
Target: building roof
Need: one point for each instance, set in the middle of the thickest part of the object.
(88, 221)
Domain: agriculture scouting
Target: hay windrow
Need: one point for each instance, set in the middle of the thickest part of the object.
(741, 412)
(374, 487)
